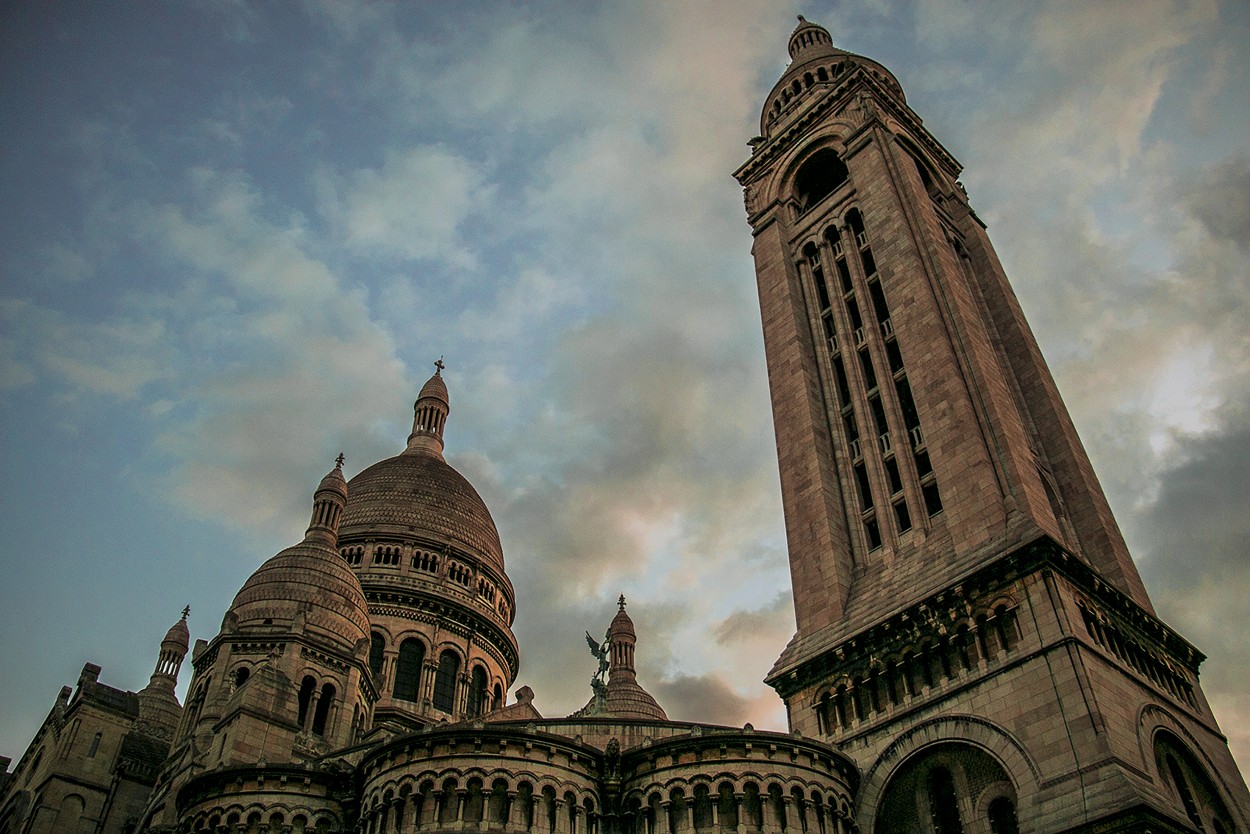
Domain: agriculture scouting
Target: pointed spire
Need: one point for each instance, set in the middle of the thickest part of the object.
(328, 503)
(430, 415)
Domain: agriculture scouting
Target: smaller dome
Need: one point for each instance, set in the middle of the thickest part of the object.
(178, 636)
(306, 580)
(334, 481)
(622, 626)
(309, 581)
(435, 388)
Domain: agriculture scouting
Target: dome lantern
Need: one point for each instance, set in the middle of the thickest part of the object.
(430, 415)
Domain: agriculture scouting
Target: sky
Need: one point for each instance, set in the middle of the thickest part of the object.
(235, 236)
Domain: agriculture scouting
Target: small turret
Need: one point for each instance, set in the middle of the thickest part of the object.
(808, 40)
(159, 710)
(430, 415)
(328, 503)
(622, 696)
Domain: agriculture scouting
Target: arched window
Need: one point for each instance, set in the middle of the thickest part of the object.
(377, 645)
(322, 714)
(445, 681)
(306, 688)
(408, 670)
(95, 746)
(477, 692)
(497, 700)
(241, 675)
(820, 175)
(1002, 816)
(943, 802)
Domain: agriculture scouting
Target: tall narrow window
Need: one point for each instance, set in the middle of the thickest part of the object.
(844, 275)
(1182, 790)
(377, 645)
(305, 696)
(844, 390)
(1002, 816)
(95, 746)
(943, 803)
(322, 714)
(477, 692)
(870, 377)
(408, 670)
(865, 492)
(445, 681)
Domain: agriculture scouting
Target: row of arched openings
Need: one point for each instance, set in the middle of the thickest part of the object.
(408, 671)
(316, 703)
(450, 806)
(257, 823)
(721, 808)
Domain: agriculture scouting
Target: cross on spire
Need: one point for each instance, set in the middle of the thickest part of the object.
(186, 611)
(439, 365)
(338, 461)
(621, 602)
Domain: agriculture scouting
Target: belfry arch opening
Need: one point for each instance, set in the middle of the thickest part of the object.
(818, 177)
(954, 788)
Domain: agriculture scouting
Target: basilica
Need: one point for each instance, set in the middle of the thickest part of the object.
(975, 650)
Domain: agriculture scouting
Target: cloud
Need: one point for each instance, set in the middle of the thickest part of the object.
(1221, 202)
(1196, 560)
(412, 207)
(120, 357)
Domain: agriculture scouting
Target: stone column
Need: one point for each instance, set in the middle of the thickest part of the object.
(462, 694)
(311, 711)
(512, 816)
(427, 682)
(741, 809)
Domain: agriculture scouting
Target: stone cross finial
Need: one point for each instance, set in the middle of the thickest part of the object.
(338, 461)
(439, 364)
(186, 611)
(621, 602)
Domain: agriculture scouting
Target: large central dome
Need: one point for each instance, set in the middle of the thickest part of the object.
(419, 492)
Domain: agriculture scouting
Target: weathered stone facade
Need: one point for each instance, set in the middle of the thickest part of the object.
(972, 631)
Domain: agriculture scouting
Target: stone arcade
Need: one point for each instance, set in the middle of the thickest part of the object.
(975, 649)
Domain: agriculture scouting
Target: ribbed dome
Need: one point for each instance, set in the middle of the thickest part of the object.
(626, 699)
(178, 636)
(434, 387)
(419, 492)
(305, 579)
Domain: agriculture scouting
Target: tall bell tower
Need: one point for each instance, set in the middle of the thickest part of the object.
(972, 630)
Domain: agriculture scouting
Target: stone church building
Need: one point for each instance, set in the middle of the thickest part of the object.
(975, 649)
